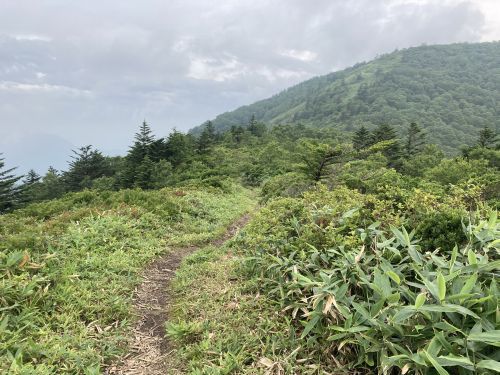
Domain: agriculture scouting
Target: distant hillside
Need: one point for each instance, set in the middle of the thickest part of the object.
(451, 90)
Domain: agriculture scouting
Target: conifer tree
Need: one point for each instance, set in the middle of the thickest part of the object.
(52, 185)
(144, 174)
(487, 138)
(237, 133)
(415, 140)
(361, 139)
(386, 133)
(10, 193)
(207, 138)
(31, 178)
(179, 148)
(256, 128)
(87, 165)
(31, 187)
(144, 145)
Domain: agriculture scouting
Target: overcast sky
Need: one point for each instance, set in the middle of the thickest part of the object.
(76, 72)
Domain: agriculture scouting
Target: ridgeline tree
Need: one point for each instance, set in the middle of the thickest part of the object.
(144, 173)
(31, 178)
(142, 147)
(31, 186)
(10, 193)
(237, 133)
(179, 148)
(207, 138)
(415, 140)
(316, 158)
(52, 185)
(87, 165)
(386, 133)
(361, 139)
(487, 138)
(257, 129)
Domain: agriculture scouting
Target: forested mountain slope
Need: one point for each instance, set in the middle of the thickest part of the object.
(450, 90)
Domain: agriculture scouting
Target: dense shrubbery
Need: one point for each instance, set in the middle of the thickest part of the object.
(365, 293)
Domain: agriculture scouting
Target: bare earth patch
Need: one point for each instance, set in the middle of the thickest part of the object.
(149, 346)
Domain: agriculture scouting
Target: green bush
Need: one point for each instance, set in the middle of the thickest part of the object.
(368, 298)
(290, 184)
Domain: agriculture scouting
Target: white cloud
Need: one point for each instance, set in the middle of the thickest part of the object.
(42, 88)
(302, 55)
(32, 38)
(218, 70)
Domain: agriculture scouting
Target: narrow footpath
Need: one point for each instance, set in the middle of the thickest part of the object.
(150, 348)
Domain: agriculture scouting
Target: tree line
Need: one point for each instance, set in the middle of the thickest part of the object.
(252, 153)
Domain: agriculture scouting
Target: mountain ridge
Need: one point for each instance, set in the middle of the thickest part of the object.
(450, 90)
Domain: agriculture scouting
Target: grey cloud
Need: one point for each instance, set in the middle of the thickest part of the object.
(90, 71)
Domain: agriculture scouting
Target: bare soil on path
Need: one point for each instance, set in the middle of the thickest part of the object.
(150, 348)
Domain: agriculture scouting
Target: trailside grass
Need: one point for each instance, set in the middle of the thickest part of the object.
(220, 325)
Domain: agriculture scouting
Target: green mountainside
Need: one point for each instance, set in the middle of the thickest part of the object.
(450, 90)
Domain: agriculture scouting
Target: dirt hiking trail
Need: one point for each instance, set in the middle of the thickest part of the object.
(149, 346)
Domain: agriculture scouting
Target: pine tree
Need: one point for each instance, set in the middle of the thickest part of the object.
(237, 133)
(179, 148)
(487, 138)
(382, 133)
(207, 138)
(52, 185)
(386, 133)
(31, 187)
(317, 157)
(31, 178)
(145, 135)
(87, 165)
(10, 193)
(257, 129)
(144, 174)
(144, 145)
(415, 140)
(361, 139)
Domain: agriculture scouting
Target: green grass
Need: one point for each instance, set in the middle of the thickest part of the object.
(220, 326)
(68, 269)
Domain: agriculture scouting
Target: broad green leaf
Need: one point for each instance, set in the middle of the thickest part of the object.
(436, 364)
(445, 326)
(451, 360)
(420, 300)
(432, 288)
(453, 259)
(449, 308)
(310, 325)
(472, 257)
(489, 364)
(403, 314)
(441, 286)
(490, 337)
(394, 276)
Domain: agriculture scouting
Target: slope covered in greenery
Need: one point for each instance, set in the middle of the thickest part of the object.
(68, 268)
(450, 90)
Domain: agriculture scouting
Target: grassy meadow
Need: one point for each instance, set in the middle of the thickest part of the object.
(68, 268)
